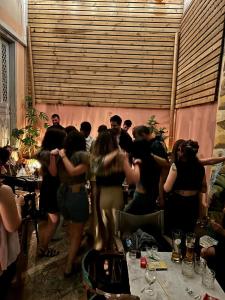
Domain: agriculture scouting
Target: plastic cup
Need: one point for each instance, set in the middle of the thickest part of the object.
(208, 278)
(187, 268)
(154, 251)
(132, 254)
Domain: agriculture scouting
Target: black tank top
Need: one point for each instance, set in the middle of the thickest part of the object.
(189, 176)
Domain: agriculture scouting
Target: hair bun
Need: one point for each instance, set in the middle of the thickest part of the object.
(191, 147)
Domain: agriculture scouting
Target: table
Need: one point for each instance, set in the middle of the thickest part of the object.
(170, 284)
(26, 183)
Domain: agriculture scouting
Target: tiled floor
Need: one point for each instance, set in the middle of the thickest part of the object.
(43, 278)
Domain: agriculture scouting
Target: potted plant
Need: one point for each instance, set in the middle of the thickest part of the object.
(27, 136)
(153, 125)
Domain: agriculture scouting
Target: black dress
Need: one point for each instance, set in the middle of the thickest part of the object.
(49, 186)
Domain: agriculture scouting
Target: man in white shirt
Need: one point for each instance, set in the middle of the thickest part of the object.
(85, 129)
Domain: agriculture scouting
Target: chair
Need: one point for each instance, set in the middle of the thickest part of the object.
(126, 222)
(152, 223)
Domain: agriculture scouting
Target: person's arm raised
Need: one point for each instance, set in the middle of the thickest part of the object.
(132, 175)
(109, 157)
(212, 160)
(70, 168)
(52, 168)
(162, 162)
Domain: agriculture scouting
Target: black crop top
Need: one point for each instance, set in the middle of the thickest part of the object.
(189, 176)
(114, 179)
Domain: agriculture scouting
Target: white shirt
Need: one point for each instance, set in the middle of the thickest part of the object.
(89, 141)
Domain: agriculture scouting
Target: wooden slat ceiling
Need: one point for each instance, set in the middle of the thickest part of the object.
(104, 53)
(201, 37)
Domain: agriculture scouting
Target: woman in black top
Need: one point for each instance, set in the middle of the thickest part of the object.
(186, 179)
(146, 191)
(53, 138)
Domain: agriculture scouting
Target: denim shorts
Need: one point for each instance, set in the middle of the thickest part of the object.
(73, 206)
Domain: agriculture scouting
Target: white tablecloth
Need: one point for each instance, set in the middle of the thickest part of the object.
(170, 284)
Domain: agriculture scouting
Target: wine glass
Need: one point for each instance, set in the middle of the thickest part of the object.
(150, 277)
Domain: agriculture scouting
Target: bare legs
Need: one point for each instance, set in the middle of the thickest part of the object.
(75, 236)
(108, 200)
(109, 219)
(49, 229)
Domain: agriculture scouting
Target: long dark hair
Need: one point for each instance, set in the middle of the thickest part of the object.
(105, 143)
(74, 142)
(174, 156)
(53, 139)
(4, 155)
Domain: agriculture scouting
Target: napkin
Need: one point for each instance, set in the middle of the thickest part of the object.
(208, 297)
(207, 241)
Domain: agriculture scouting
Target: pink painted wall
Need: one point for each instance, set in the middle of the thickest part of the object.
(13, 18)
(74, 115)
(198, 123)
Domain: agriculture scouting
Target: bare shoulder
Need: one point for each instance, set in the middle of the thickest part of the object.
(5, 190)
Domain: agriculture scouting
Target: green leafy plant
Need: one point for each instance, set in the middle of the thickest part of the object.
(153, 125)
(28, 136)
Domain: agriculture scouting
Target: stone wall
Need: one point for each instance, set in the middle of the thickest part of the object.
(217, 193)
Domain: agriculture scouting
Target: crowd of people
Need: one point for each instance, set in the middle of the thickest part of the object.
(82, 180)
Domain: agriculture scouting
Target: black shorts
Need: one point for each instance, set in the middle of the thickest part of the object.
(48, 194)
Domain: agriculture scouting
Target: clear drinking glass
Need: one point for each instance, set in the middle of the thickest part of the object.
(208, 278)
(150, 277)
(187, 267)
(176, 240)
(200, 265)
(190, 245)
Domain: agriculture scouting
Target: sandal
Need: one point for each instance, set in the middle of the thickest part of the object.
(49, 252)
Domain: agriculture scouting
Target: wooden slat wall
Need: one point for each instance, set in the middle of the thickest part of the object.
(104, 53)
(201, 36)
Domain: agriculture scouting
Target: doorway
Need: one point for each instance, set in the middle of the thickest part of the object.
(7, 90)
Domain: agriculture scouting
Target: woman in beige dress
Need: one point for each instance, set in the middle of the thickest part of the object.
(111, 166)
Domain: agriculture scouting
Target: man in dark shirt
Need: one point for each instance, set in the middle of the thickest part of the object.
(160, 168)
(127, 125)
(56, 122)
(124, 139)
